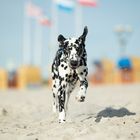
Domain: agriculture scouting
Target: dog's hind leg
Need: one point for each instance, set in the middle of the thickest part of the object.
(55, 106)
(69, 91)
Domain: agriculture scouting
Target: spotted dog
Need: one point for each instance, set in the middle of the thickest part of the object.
(69, 66)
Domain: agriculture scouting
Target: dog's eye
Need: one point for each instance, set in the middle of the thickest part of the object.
(65, 45)
(79, 50)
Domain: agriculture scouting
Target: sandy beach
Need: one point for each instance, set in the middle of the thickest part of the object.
(109, 113)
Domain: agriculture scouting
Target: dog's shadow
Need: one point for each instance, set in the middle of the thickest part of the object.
(111, 112)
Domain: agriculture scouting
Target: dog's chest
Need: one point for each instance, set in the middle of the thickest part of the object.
(66, 71)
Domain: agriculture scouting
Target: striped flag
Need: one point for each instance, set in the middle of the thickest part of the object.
(33, 10)
(66, 5)
(44, 21)
(36, 12)
(89, 3)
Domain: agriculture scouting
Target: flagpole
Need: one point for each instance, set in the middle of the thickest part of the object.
(38, 45)
(78, 19)
(53, 34)
(54, 29)
(79, 14)
(26, 37)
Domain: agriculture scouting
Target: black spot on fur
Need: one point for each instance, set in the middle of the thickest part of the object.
(81, 63)
(84, 55)
(81, 73)
(56, 76)
(65, 67)
(85, 70)
(60, 88)
(77, 41)
(86, 73)
(85, 64)
(53, 95)
(61, 79)
(64, 86)
(61, 92)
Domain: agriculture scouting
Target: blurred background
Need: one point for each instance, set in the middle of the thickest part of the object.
(28, 39)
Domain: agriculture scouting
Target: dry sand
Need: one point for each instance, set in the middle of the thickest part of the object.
(109, 113)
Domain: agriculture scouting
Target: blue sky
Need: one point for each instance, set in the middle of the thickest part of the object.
(101, 41)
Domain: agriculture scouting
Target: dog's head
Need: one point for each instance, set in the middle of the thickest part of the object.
(74, 48)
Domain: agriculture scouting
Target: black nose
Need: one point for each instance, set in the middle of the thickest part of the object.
(74, 63)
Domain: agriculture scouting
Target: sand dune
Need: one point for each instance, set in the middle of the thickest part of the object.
(109, 113)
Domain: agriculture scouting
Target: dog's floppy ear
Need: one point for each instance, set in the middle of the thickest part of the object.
(61, 39)
(83, 36)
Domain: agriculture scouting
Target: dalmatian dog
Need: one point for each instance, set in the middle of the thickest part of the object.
(69, 66)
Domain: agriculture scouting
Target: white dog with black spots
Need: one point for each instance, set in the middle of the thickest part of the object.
(69, 66)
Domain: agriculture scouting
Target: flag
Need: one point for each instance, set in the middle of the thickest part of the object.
(33, 10)
(36, 12)
(66, 5)
(44, 21)
(89, 3)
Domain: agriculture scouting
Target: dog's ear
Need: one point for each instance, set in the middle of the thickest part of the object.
(61, 39)
(83, 36)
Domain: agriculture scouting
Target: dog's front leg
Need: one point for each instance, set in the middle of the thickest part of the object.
(82, 74)
(55, 96)
(61, 103)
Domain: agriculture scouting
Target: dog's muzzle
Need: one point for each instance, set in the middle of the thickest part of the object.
(74, 64)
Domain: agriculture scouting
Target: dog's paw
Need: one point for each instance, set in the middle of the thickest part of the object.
(62, 117)
(80, 98)
(62, 121)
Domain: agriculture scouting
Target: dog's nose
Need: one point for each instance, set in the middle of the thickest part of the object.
(74, 63)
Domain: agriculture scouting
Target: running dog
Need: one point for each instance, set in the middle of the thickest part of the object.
(69, 66)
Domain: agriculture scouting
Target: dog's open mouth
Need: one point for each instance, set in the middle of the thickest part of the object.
(74, 66)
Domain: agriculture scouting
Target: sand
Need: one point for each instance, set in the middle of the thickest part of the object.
(109, 113)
